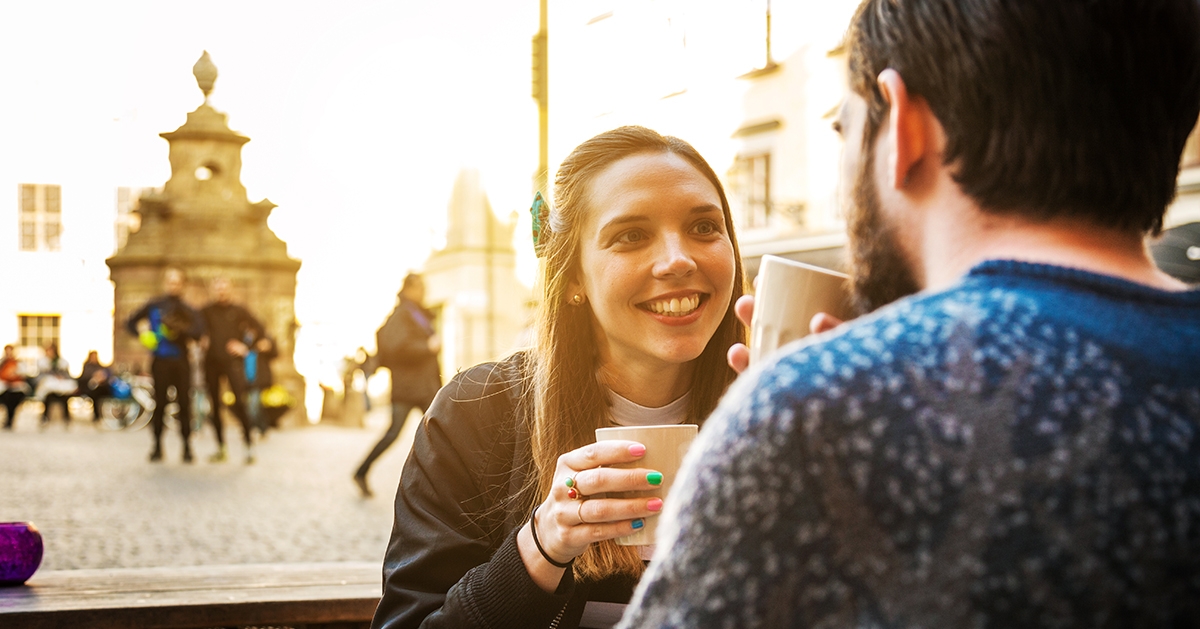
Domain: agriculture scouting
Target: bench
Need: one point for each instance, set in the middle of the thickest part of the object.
(303, 595)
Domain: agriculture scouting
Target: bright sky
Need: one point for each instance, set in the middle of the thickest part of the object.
(360, 113)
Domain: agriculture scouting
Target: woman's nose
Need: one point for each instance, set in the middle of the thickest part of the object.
(675, 259)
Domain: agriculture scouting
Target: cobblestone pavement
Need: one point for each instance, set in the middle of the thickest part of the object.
(99, 503)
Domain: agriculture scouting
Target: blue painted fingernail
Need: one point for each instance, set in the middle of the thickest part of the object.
(639, 523)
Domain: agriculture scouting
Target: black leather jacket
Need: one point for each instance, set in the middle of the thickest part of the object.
(452, 560)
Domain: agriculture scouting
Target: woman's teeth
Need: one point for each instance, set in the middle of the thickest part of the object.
(675, 307)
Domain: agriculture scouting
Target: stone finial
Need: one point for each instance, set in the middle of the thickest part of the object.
(205, 73)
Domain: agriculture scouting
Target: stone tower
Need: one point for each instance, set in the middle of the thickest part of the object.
(483, 309)
(203, 223)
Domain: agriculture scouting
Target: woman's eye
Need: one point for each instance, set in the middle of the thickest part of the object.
(630, 237)
(706, 228)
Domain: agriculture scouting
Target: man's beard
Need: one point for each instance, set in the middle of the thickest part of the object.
(879, 272)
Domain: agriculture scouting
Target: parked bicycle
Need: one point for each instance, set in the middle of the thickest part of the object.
(131, 404)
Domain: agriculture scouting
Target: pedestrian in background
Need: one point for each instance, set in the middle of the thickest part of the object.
(408, 347)
(93, 382)
(252, 373)
(54, 384)
(227, 325)
(165, 326)
(13, 387)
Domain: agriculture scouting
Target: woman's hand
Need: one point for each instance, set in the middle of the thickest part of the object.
(573, 517)
(739, 354)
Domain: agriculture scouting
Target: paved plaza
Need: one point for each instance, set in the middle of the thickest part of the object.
(99, 503)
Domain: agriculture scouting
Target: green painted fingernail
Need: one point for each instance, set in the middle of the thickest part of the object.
(654, 478)
(637, 524)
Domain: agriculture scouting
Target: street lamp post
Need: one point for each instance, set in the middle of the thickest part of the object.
(541, 93)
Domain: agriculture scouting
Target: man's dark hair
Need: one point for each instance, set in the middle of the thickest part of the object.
(1051, 108)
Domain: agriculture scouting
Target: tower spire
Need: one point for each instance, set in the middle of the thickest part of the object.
(205, 73)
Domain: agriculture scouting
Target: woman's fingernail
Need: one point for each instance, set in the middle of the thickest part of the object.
(654, 478)
(637, 449)
(654, 504)
(639, 523)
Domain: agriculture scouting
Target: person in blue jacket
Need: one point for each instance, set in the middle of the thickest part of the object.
(165, 326)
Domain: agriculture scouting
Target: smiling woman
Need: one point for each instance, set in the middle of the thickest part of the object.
(657, 264)
(501, 514)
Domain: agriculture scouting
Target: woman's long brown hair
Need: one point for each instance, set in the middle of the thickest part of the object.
(569, 401)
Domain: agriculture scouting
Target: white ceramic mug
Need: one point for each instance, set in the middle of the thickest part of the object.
(787, 296)
(665, 447)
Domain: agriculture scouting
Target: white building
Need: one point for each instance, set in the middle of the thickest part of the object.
(54, 238)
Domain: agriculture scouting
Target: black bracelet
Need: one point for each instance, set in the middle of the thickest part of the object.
(533, 529)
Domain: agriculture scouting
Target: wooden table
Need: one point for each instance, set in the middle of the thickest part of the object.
(309, 595)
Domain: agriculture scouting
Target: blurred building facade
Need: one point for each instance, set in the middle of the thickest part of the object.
(203, 223)
(754, 86)
(483, 309)
(54, 237)
(1186, 208)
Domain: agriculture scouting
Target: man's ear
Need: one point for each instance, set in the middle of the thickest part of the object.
(908, 139)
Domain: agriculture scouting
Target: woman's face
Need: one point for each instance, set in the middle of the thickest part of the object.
(656, 261)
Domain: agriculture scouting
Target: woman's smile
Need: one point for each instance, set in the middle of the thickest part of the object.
(673, 306)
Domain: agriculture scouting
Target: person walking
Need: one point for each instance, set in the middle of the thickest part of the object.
(252, 374)
(165, 326)
(226, 325)
(408, 347)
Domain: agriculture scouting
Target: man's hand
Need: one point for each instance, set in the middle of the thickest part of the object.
(739, 354)
(435, 344)
(237, 348)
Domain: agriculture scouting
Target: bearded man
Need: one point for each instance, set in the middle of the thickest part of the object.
(1018, 443)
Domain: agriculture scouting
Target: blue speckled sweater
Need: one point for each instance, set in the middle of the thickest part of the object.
(1021, 450)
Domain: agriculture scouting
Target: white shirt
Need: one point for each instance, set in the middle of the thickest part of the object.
(627, 413)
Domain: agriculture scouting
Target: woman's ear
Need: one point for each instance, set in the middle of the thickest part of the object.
(575, 295)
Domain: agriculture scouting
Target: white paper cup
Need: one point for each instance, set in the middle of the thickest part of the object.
(787, 296)
(665, 448)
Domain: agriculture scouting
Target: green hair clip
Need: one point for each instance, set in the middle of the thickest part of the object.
(538, 212)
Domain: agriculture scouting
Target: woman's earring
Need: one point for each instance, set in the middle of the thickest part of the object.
(577, 299)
